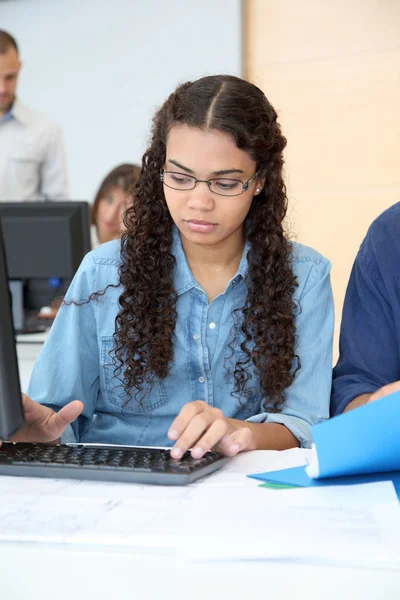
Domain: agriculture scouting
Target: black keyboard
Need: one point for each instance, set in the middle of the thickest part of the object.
(131, 464)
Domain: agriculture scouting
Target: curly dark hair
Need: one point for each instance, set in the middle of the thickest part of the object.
(147, 316)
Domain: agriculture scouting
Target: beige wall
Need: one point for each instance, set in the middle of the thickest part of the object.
(331, 68)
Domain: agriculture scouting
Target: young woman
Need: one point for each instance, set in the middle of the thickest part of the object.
(205, 327)
(111, 201)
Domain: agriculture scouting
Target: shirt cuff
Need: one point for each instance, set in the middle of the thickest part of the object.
(298, 427)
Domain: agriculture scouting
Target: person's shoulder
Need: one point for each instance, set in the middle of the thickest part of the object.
(108, 254)
(386, 225)
(35, 118)
(309, 266)
(302, 254)
(379, 252)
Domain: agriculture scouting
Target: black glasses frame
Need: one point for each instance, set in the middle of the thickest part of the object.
(245, 186)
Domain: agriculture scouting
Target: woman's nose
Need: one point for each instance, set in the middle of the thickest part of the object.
(201, 197)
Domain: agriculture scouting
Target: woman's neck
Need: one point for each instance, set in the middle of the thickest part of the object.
(214, 266)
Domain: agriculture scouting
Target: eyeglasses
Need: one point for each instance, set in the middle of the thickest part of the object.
(220, 186)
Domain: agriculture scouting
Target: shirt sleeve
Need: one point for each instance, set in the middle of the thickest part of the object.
(67, 368)
(368, 350)
(307, 399)
(53, 173)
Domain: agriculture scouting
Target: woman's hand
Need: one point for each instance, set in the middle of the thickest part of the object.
(203, 428)
(43, 424)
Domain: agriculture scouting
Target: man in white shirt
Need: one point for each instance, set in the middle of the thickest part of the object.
(32, 157)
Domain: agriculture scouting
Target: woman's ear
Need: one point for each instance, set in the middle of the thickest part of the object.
(259, 185)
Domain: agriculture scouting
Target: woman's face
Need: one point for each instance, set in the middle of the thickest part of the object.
(203, 217)
(110, 213)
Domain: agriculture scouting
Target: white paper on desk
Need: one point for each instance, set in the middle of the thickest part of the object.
(96, 513)
(357, 526)
(80, 512)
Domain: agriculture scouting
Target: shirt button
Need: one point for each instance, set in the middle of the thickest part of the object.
(196, 337)
(212, 325)
(201, 379)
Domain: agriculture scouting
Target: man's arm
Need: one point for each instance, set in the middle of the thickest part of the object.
(369, 351)
(365, 398)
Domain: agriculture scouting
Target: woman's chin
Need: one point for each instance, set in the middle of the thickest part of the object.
(108, 236)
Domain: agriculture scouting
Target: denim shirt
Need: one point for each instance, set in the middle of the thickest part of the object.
(76, 360)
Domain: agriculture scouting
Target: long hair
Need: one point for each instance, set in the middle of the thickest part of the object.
(147, 316)
(122, 176)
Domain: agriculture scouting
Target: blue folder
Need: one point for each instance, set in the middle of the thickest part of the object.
(298, 477)
(360, 446)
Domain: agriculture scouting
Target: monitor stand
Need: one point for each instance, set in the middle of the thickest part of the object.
(23, 322)
(16, 288)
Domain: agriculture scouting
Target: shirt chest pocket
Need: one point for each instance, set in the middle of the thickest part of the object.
(24, 163)
(114, 388)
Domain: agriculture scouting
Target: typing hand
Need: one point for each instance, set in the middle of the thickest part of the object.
(43, 424)
(385, 391)
(202, 428)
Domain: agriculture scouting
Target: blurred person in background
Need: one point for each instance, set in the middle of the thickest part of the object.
(111, 201)
(32, 157)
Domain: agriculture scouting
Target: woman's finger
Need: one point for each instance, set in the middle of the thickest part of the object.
(187, 413)
(57, 423)
(217, 430)
(194, 430)
(235, 442)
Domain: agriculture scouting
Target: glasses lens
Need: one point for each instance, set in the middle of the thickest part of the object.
(226, 187)
(179, 181)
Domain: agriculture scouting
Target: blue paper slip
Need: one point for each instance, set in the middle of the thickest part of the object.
(298, 477)
(363, 440)
(360, 446)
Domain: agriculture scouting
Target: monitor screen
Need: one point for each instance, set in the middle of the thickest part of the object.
(11, 413)
(45, 240)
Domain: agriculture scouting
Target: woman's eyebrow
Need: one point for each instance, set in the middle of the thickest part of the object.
(222, 172)
(176, 164)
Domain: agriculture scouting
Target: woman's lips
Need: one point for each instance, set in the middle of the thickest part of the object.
(201, 226)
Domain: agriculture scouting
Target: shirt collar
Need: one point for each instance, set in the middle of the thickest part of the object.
(6, 117)
(20, 113)
(183, 277)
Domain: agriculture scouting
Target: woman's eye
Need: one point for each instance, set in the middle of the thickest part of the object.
(108, 199)
(179, 178)
(226, 184)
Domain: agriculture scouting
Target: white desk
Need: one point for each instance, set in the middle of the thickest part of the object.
(45, 571)
(48, 573)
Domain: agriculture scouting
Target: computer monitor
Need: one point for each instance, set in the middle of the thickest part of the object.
(45, 243)
(45, 239)
(11, 412)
